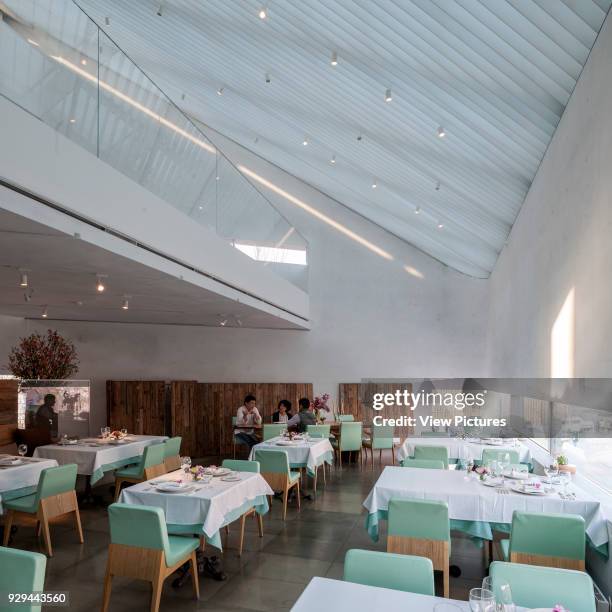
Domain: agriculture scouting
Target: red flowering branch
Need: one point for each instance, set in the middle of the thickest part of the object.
(39, 357)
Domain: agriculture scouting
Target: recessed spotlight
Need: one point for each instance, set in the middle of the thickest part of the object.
(83, 62)
(160, 9)
(263, 12)
(24, 280)
(45, 313)
(72, 120)
(441, 132)
(200, 208)
(217, 177)
(440, 225)
(268, 78)
(182, 96)
(222, 320)
(100, 287)
(220, 91)
(107, 21)
(305, 141)
(359, 138)
(126, 303)
(437, 185)
(33, 42)
(417, 210)
(334, 59)
(388, 96)
(333, 159)
(374, 184)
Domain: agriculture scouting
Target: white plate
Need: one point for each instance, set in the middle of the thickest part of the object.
(519, 489)
(112, 441)
(218, 472)
(231, 478)
(171, 487)
(287, 442)
(518, 475)
(11, 462)
(68, 442)
(491, 482)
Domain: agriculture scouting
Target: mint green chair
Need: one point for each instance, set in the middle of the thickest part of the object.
(272, 430)
(151, 465)
(497, 454)
(425, 464)
(552, 540)
(435, 434)
(390, 571)
(346, 418)
(241, 465)
(318, 431)
(544, 587)
(55, 496)
(350, 439)
(141, 549)
(22, 572)
(422, 528)
(172, 453)
(437, 453)
(382, 438)
(275, 469)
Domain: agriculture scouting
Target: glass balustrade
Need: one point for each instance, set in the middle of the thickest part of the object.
(58, 65)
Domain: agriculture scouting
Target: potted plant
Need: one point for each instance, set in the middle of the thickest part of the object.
(564, 465)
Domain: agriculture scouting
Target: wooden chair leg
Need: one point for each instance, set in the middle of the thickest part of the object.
(315, 481)
(193, 569)
(227, 530)
(158, 585)
(108, 584)
(47, 535)
(285, 496)
(298, 494)
(77, 520)
(259, 523)
(445, 578)
(393, 454)
(242, 521)
(202, 543)
(8, 523)
(380, 457)
(118, 484)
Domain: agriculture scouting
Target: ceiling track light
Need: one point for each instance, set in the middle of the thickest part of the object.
(441, 132)
(305, 141)
(263, 13)
(126, 303)
(438, 185)
(222, 320)
(33, 42)
(388, 96)
(107, 21)
(332, 160)
(417, 210)
(440, 225)
(24, 279)
(100, 286)
(334, 58)
(359, 137)
(160, 9)
(268, 78)
(220, 91)
(45, 313)
(374, 184)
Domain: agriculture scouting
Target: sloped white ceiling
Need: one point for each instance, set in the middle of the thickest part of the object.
(495, 74)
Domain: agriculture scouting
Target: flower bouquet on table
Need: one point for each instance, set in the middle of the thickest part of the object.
(197, 472)
(482, 471)
(117, 435)
(292, 435)
(321, 409)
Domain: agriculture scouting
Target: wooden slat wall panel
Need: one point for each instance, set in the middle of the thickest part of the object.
(8, 411)
(350, 401)
(139, 405)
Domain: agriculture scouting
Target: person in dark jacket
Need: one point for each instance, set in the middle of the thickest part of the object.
(283, 412)
(304, 417)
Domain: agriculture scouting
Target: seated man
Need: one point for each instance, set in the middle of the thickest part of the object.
(249, 416)
(304, 417)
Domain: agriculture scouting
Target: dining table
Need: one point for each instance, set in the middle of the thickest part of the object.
(476, 508)
(20, 478)
(96, 456)
(465, 448)
(340, 596)
(202, 508)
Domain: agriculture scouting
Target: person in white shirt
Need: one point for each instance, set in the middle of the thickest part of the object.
(248, 415)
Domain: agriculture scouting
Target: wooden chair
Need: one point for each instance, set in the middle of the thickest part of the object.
(421, 528)
(151, 465)
(172, 452)
(55, 496)
(240, 465)
(275, 469)
(141, 549)
(22, 572)
(382, 439)
(550, 540)
(350, 439)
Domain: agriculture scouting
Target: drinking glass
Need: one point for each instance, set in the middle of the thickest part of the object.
(102, 432)
(124, 431)
(504, 465)
(482, 600)
(186, 463)
(504, 599)
(565, 478)
(487, 584)
(22, 449)
(551, 470)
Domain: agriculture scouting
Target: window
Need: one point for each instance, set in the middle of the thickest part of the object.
(273, 254)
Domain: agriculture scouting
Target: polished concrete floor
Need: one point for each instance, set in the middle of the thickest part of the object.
(272, 571)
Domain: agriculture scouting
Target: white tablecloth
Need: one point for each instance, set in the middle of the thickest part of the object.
(94, 460)
(461, 449)
(208, 505)
(16, 481)
(309, 453)
(339, 596)
(470, 500)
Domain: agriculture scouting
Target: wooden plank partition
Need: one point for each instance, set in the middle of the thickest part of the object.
(351, 396)
(8, 410)
(139, 405)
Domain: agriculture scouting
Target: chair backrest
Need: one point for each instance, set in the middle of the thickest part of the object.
(272, 461)
(22, 572)
(382, 436)
(427, 464)
(234, 419)
(439, 453)
(142, 526)
(346, 418)
(241, 465)
(319, 431)
(497, 454)
(390, 571)
(544, 587)
(435, 434)
(350, 436)
(419, 518)
(172, 446)
(56, 480)
(271, 430)
(152, 455)
(550, 535)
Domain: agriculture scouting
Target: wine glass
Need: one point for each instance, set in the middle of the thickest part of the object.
(186, 463)
(487, 584)
(482, 600)
(504, 465)
(103, 432)
(504, 599)
(565, 478)
(124, 431)
(551, 470)
(22, 449)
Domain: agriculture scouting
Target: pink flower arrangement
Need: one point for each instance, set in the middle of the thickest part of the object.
(321, 401)
(39, 357)
(559, 608)
(198, 472)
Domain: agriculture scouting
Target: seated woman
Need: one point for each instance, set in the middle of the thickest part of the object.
(283, 413)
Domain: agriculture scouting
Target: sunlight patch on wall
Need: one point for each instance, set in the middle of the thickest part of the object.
(562, 340)
(413, 271)
(273, 254)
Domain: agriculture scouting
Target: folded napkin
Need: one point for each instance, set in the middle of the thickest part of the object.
(520, 475)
